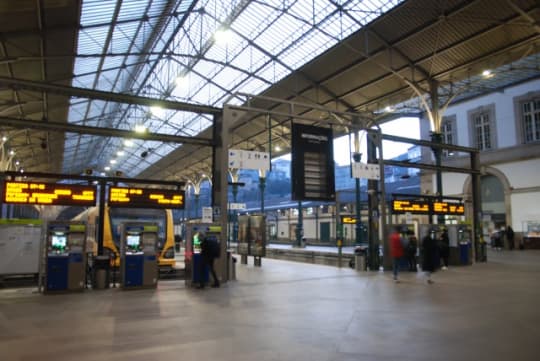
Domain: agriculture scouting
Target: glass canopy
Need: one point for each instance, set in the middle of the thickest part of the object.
(201, 52)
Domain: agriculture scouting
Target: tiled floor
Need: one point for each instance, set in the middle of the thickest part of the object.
(290, 311)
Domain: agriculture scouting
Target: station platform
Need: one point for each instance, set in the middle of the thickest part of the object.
(290, 311)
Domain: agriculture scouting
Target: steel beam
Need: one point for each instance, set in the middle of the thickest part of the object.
(91, 178)
(15, 84)
(105, 132)
(430, 167)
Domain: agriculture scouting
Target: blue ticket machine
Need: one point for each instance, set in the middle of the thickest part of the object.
(195, 272)
(66, 259)
(138, 263)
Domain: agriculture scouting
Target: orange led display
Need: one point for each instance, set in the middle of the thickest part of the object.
(145, 198)
(53, 194)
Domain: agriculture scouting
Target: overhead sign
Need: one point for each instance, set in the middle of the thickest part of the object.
(410, 206)
(52, 194)
(427, 207)
(348, 220)
(365, 170)
(247, 159)
(312, 163)
(236, 206)
(145, 198)
(207, 216)
(448, 208)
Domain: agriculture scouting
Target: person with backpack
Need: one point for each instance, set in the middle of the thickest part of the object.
(210, 250)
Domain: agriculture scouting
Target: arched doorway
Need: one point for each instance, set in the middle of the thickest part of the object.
(494, 189)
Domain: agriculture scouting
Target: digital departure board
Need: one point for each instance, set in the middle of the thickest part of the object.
(348, 220)
(53, 194)
(427, 207)
(410, 206)
(145, 198)
(448, 208)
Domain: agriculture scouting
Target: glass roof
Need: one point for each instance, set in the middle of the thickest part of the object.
(199, 52)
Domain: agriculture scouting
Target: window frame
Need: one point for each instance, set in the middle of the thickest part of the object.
(519, 102)
(472, 114)
(452, 121)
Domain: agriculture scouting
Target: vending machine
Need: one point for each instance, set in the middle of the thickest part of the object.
(65, 256)
(138, 257)
(195, 274)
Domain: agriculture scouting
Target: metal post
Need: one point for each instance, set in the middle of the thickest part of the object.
(299, 226)
(235, 214)
(101, 212)
(262, 183)
(437, 152)
(479, 245)
(357, 157)
(373, 216)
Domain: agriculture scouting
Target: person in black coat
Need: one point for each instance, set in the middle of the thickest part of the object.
(209, 252)
(410, 251)
(444, 248)
(510, 237)
(429, 254)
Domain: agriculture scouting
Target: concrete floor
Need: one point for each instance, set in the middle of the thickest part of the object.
(290, 311)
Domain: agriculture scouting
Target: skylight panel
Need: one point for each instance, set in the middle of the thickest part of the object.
(97, 11)
(279, 35)
(250, 59)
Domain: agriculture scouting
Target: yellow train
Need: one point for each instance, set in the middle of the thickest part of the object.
(112, 221)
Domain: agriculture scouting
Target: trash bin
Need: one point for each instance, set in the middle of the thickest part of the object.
(102, 271)
(360, 259)
(464, 252)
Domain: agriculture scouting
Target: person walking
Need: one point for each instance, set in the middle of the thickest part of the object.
(210, 250)
(429, 255)
(444, 248)
(396, 251)
(510, 237)
(410, 251)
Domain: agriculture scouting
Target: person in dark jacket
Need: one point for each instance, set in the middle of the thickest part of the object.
(209, 252)
(510, 237)
(444, 248)
(429, 255)
(410, 251)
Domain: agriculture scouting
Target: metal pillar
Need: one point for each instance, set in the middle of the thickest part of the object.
(101, 212)
(299, 226)
(235, 213)
(262, 184)
(357, 157)
(479, 244)
(437, 152)
(373, 212)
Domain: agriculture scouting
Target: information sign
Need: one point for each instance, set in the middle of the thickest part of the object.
(145, 198)
(52, 194)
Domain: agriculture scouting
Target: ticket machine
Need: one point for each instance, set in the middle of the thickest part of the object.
(192, 255)
(66, 257)
(138, 257)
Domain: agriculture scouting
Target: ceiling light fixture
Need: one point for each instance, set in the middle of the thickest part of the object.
(487, 73)
(120, 153)
(107, 168)
(128, 142)
(112, 161)
(139, 128)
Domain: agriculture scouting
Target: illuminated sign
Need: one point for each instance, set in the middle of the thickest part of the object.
(145, 198)
(410, 206)
(427, 207)
(52, 194)
(448, 208)
(348, 220)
